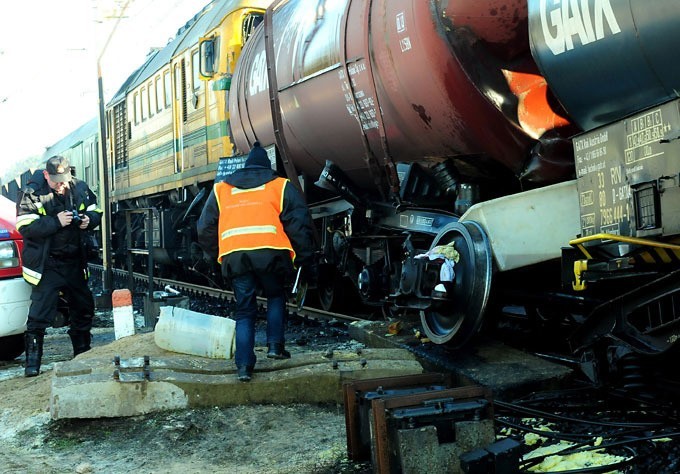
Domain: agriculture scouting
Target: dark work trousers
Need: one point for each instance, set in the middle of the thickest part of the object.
(245, 291)
(69, 278)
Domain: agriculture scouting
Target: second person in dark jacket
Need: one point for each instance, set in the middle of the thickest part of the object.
(53, 214)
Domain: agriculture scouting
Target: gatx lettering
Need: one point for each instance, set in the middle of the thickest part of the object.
(258, 74)
(565, 19)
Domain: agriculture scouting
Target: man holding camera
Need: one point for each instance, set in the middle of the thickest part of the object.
(52, 217)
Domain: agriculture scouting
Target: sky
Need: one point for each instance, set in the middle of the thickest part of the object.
(48, 62)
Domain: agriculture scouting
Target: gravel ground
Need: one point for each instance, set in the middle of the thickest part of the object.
(281, 439)
(244, 439)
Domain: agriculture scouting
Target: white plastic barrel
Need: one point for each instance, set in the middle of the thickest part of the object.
(189, 332)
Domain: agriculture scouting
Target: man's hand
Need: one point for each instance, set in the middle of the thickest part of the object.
(310, 274)
(65, 218)
(84, 221)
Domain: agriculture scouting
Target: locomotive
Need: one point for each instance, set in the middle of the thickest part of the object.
(458, 157)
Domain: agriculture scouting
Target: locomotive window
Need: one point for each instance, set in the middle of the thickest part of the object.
(250, 23)
(178, 83)
(152, 99)
(208, 56)
(159, 97)
(167, 88)
(145, 104)
(195, 77)
(138, 111)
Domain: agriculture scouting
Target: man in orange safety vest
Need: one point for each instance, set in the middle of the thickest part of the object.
(257, 226)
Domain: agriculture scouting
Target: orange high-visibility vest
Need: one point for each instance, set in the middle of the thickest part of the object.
(249, 218)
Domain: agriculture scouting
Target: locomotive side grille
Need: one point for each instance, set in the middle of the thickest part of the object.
(200, 151)
(120, 149)
(184, 92)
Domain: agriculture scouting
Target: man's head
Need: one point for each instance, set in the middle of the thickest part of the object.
(258, 157)
(58, 173)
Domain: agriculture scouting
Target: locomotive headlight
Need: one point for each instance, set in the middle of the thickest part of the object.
(9, 254)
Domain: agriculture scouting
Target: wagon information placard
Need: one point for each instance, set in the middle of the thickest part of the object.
(228, 165)
(622, 169)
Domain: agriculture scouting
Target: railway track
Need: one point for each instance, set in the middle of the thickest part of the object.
(192, 289)
(645, 436)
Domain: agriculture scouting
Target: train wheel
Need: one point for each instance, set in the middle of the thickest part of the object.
(456, 319)
(326, 295)
(335, 292)
(335, 296)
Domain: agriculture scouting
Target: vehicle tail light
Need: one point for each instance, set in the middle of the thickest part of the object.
(9, 254)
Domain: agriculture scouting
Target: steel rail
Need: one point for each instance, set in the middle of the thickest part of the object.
(195, 289)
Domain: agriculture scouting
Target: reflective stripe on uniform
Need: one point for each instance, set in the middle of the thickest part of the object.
(26, 219)
(31, 276)
(249, 190)
(252, 229)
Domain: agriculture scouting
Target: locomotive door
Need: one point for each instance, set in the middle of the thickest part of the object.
(179, 111)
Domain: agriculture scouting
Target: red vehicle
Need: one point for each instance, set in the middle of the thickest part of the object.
(15, 293)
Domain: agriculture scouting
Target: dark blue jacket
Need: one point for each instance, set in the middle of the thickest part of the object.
(37, 221)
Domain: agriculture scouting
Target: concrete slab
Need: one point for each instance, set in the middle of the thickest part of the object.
(492, 364)
(87, 388)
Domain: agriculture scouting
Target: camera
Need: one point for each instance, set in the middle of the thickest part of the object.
(76, 218)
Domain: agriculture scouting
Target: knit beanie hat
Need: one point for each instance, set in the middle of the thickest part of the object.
(258, 157)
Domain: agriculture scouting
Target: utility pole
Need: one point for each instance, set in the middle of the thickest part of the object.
(107, 286)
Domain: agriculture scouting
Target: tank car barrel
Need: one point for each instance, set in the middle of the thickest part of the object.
(607, 59)
(351, 89)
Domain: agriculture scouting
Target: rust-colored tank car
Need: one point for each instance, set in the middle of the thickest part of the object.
(373, 96)
(366, 84)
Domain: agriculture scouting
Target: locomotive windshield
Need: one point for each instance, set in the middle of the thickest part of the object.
(251, 22)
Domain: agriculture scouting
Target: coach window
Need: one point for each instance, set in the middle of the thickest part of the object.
(138, 112)
(152, 100)
(167, 88)
(159, 96)
(145, 104)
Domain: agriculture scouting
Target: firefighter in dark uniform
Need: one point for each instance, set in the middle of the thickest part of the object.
(52, 217)
(258, 227)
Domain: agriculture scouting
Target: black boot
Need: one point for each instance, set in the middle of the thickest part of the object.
(80, 340)
(33, 341)
(245, 373)
(276, 350)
